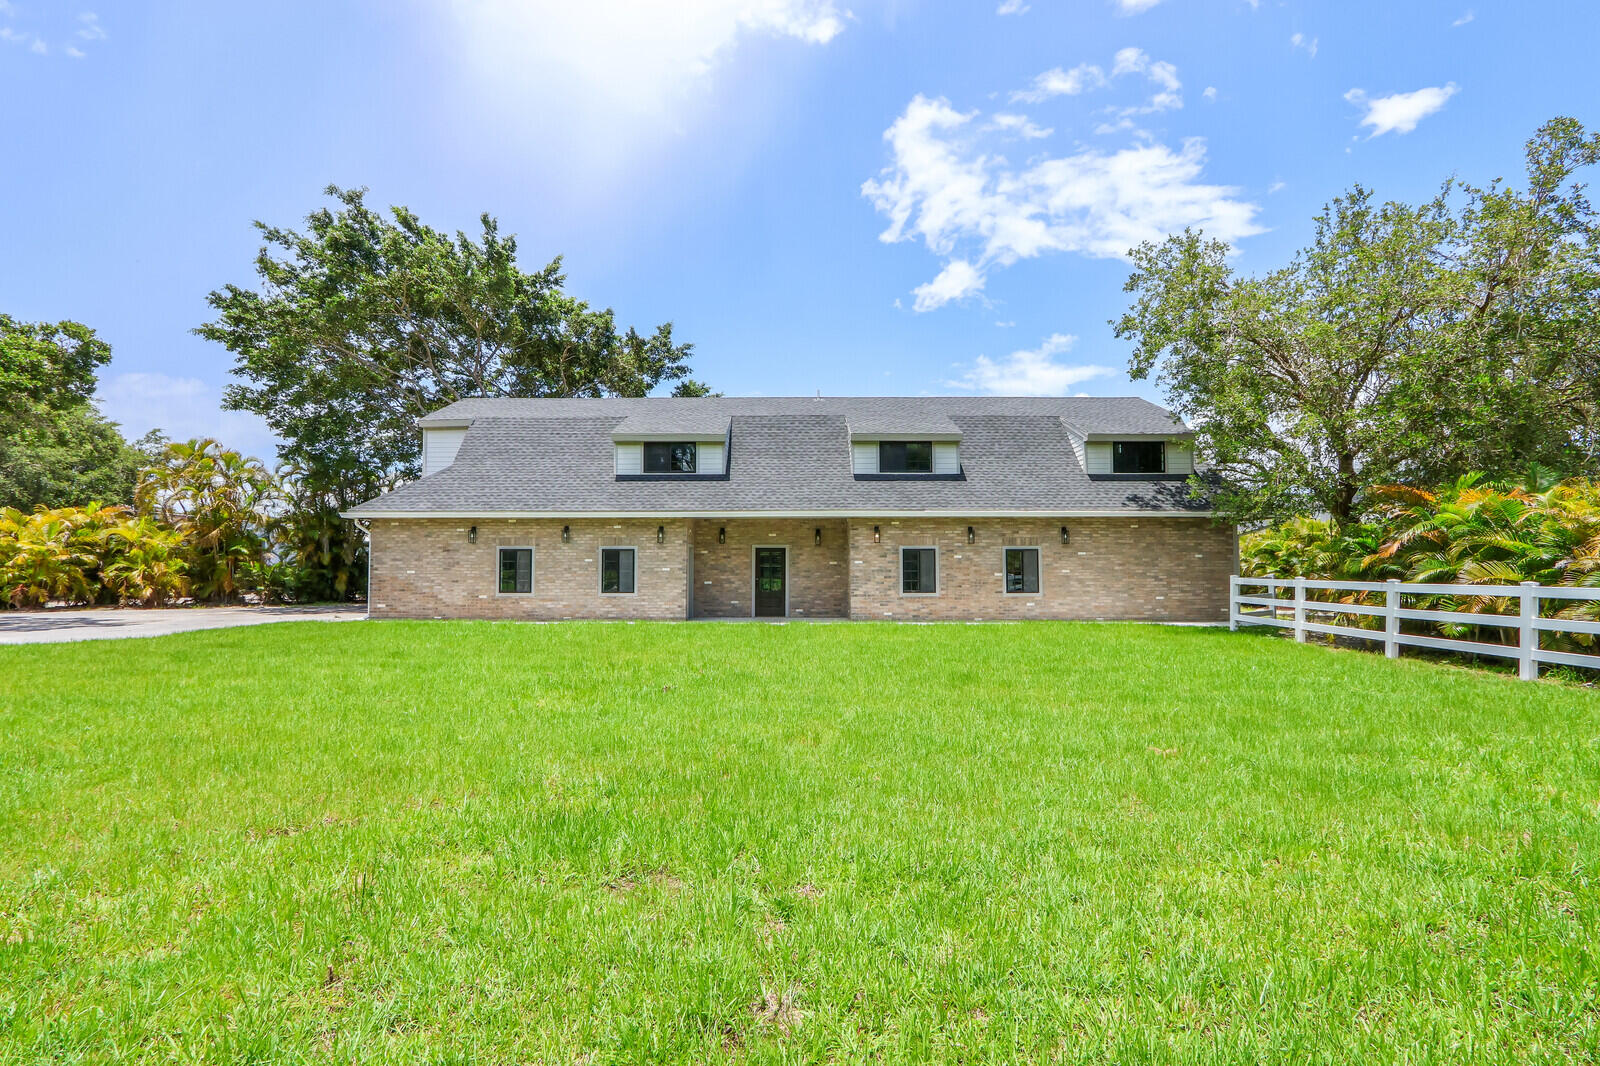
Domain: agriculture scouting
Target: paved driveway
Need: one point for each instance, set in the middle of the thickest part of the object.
(105, 623)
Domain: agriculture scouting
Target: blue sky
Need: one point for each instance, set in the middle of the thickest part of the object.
(852, 196)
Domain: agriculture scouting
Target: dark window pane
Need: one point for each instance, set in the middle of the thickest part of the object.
(919, 570)
(905, 457)
(669, 458)
(516, 570)
(1022, 569)
(616, 570)
(1138, 457)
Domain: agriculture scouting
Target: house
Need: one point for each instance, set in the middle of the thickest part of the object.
(866, 508)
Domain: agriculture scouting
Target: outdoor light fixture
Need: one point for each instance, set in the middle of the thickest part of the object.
(972, 537)
(661, 534)
(1066, 538)
(876, 536)
(722, 534)
(566, 534)
(818, 536)
(472, 535)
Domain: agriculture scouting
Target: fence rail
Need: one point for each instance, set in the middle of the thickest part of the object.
(1287, 603)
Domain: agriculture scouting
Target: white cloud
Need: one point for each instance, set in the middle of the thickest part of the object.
(1464, 19)
(1210, 93)
(958, 280)
(1299, 40)
(1134, 7)
(1087, 77)
(968, 205)
(1029, 372)
(89, 27)
(1400, 112)
(1057, 82)
(74, 52)
(1011, 7)
(1276, 187)
(181, 408)
(1021, 126)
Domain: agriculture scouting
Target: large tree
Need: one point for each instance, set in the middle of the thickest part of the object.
(1405, 343)
(368, 320)
(56, 449)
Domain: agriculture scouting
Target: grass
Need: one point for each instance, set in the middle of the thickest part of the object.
(476, 842)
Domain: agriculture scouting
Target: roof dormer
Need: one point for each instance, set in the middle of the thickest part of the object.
(905, 445)
(686, 444)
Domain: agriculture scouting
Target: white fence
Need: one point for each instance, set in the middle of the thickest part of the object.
(1303, 614)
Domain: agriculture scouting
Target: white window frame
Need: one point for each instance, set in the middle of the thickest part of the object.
(1039, 569)
(900, 571)
(533, 569)
(600, 568)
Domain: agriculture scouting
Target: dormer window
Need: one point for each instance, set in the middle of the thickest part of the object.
(905, 457)
(671, 457)
(1138, 457)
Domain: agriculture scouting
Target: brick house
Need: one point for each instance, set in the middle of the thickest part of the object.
(866, 508)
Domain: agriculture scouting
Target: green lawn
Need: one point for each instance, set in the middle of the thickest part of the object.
(474, 842)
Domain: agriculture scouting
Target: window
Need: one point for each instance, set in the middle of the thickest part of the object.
(516, 571)
(919, 570)
(676, 457)
(616, 570)
(905, 457)
(1022, 570)
(1138, 457)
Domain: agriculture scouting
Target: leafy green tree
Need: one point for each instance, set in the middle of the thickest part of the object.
(56, 449)
(368, 320)
(223, 504)
(1406, 343)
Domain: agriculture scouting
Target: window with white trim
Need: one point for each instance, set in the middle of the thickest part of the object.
(919, 571)
(1138, 457)
(516, 571)
(617, 566)
(1022, 571)
(905, 457)
(670, 457)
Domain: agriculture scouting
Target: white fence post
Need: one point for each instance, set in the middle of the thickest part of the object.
(1233, 603)
(1391, 619)
(1300, 609)
(1527, 636)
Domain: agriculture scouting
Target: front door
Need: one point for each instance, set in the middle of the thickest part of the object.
(771, 595)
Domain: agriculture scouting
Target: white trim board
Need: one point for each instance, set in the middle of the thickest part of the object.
(372, 516)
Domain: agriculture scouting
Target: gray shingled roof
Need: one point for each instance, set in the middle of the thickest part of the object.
(786, 456)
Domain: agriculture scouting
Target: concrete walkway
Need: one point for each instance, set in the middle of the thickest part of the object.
(105, 623)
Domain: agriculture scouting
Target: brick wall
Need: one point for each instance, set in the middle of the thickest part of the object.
(724, 573)
(425, 568)
(1169, 569)
(1144, 568)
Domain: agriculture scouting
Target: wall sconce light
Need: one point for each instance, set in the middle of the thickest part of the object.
(722, 534)
(566, 534)
(818, 536)
(972, 536)
(1066, 537)
(472, 535)
(661, 534)
(876, 536)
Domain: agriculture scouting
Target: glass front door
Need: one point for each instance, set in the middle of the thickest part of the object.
(771, 595)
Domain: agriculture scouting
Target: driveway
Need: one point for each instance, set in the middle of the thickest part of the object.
(106, 623)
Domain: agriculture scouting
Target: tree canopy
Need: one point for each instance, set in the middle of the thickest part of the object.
(56, 449)
(368, 320)
(1406, 343)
